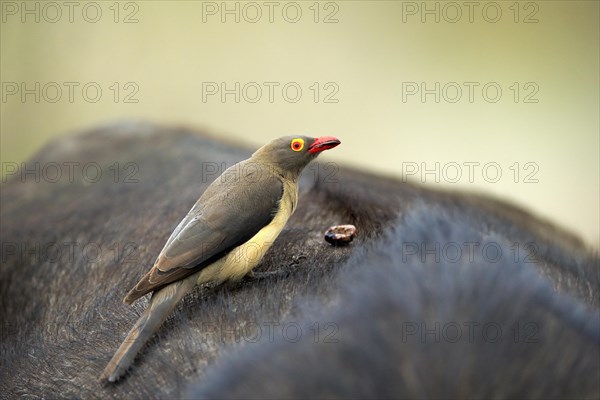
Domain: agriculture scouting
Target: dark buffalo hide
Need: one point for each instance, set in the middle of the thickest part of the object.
(441, 294)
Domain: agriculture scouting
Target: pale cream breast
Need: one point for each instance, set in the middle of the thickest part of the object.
(243, 258)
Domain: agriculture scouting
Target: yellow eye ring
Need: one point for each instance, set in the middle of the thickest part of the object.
(297, 144)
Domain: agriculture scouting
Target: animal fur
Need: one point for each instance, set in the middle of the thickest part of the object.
(62, 317)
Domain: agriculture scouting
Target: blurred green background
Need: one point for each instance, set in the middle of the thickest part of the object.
(361, 67)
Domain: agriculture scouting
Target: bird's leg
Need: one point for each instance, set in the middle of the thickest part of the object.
(255, 276)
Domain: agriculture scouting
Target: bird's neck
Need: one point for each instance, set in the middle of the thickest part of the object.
(274, 169)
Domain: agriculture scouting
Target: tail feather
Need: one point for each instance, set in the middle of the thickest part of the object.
(161, 305)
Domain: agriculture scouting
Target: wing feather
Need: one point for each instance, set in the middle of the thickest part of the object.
(229, 213)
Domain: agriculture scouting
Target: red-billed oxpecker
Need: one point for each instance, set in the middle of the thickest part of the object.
(223, 236)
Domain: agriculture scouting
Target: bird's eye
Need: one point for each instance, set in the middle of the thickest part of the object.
(297, 144)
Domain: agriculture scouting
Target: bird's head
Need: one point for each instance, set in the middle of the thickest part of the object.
(292, 153)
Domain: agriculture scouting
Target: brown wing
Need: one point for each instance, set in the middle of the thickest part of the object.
(228, 215)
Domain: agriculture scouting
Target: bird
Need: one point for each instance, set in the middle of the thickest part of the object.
(223, 236)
